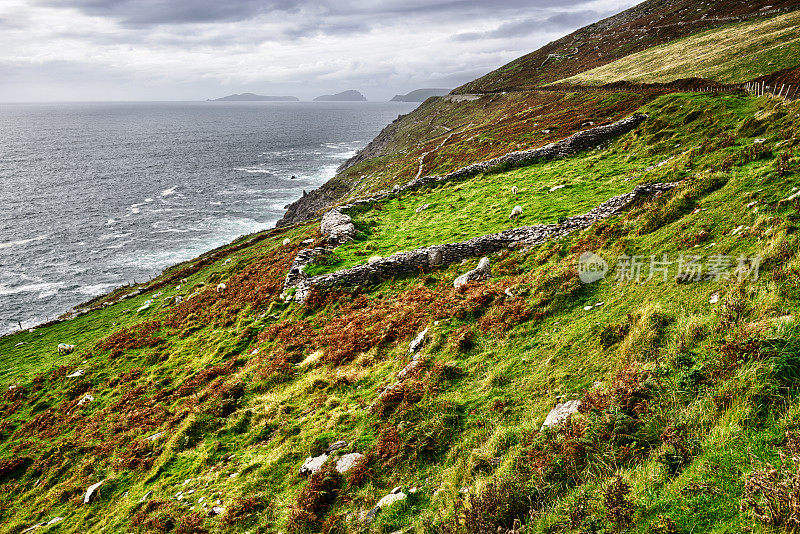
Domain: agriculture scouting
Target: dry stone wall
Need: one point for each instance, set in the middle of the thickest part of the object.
(426, 258)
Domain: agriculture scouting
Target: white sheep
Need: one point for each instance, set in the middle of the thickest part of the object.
(514, 190)
(516, 212)
(63, 348)
(286, 241)
(221, 287)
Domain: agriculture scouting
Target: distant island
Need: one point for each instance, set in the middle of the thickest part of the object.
(252, 97)
(420, 95)
(345, 96)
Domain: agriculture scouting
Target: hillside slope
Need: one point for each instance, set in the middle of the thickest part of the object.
(196, 415)
(645, 25)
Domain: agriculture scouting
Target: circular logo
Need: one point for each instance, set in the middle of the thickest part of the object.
(591, 267)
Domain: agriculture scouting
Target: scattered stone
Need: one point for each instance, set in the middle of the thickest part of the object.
(560, 413)
(556, 188)
(418, 342)
(91, 492)
(483, 271)
(423, 207)
(77, 373)
(341, 444)
(286, 241)
(373, 259)
(714, 298)
(147, 304)
(20, 344)
(313, 464)
(348, 461)
(215, 510)
(587, 308)
(306, 242)
(43, 524)
(384, 503)
(794, 196)
(759, 141)
(85, 400)
(146, 496)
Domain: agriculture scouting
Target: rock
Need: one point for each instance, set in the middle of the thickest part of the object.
(91, 492)
(556, 188)
(306, 242)
(85, 400)
(77, 373)
(313, 464)
(423, 208)
(341, 444)
(348, 461)
(384, 503)
(483, 271)
(373, 259)
(714, 298)
(43, 524)
(560, 413)
(178, 299)
(759, 141)
(215, 510)
(435, 257)
(154, 436)
(337, 227)
(147, 304)
(286, 241)
(418, 342)
(587, 308)
(145, 496)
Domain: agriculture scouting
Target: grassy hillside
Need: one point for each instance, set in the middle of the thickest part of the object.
(732, 54)
(649, 24)
(689, 387)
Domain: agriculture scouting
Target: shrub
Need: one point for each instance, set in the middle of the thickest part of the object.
(245, 510)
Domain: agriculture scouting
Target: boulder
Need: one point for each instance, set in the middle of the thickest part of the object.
(482, 272)
(77, 373)
(91, 492)
(348, 461)
(313, 464)
(337, 227)
(560, 413)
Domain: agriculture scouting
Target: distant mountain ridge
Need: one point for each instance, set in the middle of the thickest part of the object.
(345, 96)
(252, 97)
(420, 95)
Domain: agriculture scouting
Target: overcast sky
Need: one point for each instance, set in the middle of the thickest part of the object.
(193, 50)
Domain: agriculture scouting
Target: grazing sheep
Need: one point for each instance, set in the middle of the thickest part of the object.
(516, 212)
(286, 241)
(514, 190)
(221, 288)
(63, 348)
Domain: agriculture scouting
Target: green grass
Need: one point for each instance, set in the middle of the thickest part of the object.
(476, 414)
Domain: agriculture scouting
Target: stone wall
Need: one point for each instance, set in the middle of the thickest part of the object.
(426, 258)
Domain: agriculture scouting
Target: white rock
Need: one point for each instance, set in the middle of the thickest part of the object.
(91, 491)
(560, 413)
(286, 241)
(373, 259)
(77, 373)
(483, 271)
(417, 342)
(556, 188)
(348, 461)
(85, 400)
(384, 503)
(714, 298)
(423, 207)
(313, 464)
(587, 308)
(759, 141)
(216, 510)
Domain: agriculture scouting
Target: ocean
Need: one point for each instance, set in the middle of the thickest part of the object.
(96, 195)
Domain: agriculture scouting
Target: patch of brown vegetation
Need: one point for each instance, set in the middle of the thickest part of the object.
(131, 338)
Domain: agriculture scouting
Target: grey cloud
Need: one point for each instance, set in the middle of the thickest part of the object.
(530, 26)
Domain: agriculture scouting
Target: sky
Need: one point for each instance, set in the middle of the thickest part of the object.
(109, 50)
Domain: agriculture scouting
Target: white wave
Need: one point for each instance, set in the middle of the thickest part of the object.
(252, 170)
(42, 287)
(168, 192)
(10, 244)
(96, 289)
(148, 199)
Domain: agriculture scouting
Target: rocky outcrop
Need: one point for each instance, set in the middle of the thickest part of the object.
(311, 204)
(396, 495)
(423, 259)
(91, 492)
